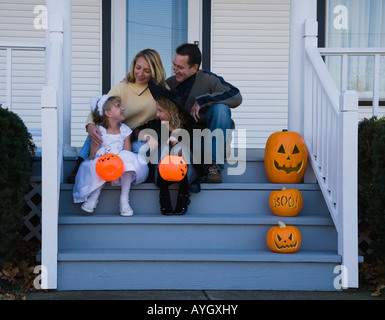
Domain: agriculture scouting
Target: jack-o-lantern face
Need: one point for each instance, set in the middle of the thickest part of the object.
(283, 239)
(285, 157)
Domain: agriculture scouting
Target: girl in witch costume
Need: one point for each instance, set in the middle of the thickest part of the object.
(169, 121)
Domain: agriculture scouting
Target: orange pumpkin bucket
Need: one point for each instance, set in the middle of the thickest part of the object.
(172, 168)
(109, 167)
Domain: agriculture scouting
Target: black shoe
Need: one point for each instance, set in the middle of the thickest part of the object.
(71, 178)
(182, 204)
(165, 205)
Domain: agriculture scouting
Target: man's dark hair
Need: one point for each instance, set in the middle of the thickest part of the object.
(192, 51)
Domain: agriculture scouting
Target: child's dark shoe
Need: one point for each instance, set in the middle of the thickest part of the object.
(182, 204)
(165, 205)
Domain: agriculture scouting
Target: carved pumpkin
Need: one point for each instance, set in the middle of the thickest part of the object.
(285, 157)
(173, 168)
(283, 239)
(109, 167)
(286, 202)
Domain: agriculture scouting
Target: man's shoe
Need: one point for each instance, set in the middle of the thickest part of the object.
(213, 174)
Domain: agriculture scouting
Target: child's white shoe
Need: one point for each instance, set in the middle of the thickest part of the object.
(126, 210)
(89, 206)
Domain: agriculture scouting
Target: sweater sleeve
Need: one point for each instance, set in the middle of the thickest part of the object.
(218, 91)
(89, 119)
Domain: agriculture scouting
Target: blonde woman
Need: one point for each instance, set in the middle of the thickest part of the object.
(136, 99)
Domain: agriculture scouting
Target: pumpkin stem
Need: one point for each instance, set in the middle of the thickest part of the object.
(283, 188)
(281, 224)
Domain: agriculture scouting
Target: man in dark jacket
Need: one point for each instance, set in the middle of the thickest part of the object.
(208, 99)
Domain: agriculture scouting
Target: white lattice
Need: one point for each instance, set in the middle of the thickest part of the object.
(32, 219)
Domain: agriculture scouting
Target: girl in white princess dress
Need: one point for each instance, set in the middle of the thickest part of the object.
(108, 116)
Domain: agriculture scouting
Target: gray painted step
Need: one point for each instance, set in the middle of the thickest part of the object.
(198, 232)
(195, 269)
(223, 198)
(245, 255)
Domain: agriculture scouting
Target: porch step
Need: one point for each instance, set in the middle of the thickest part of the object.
(183, 269)
(243, 231)
(196, 255)
(223, 198)
(219, 244)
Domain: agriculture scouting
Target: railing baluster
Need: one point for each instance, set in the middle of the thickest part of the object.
(344, 72)
(376, 84)
(9, 79)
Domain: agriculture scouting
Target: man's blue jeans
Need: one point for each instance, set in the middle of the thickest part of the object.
(218, 116)
(85, 151)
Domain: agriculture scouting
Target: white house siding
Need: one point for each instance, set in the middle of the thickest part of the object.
(250, 49)
(86, 63)
(28, 67)
(17, 25)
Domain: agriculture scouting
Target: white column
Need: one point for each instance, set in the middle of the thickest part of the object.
(56, 115)
(63, 9)
(194, 28)
(50, 196)
(300, 10)
(348, 180)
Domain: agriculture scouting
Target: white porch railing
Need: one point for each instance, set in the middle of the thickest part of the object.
(345, 53)
(52, 151)
(10, 47)
(330, 131)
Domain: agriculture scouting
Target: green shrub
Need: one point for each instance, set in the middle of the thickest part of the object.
(371, 181)
(16, 153)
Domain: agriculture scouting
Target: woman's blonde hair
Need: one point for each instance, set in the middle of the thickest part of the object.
(102, 120)
(155, 62)
(176, 118)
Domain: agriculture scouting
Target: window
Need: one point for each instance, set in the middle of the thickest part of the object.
(159, 25)
(354, 24)
(357, 24)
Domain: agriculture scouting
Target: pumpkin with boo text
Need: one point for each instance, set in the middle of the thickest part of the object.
(286, 202)
(285, 157)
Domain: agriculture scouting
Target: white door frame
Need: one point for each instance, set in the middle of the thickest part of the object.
(119, 36)
(118, 41)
